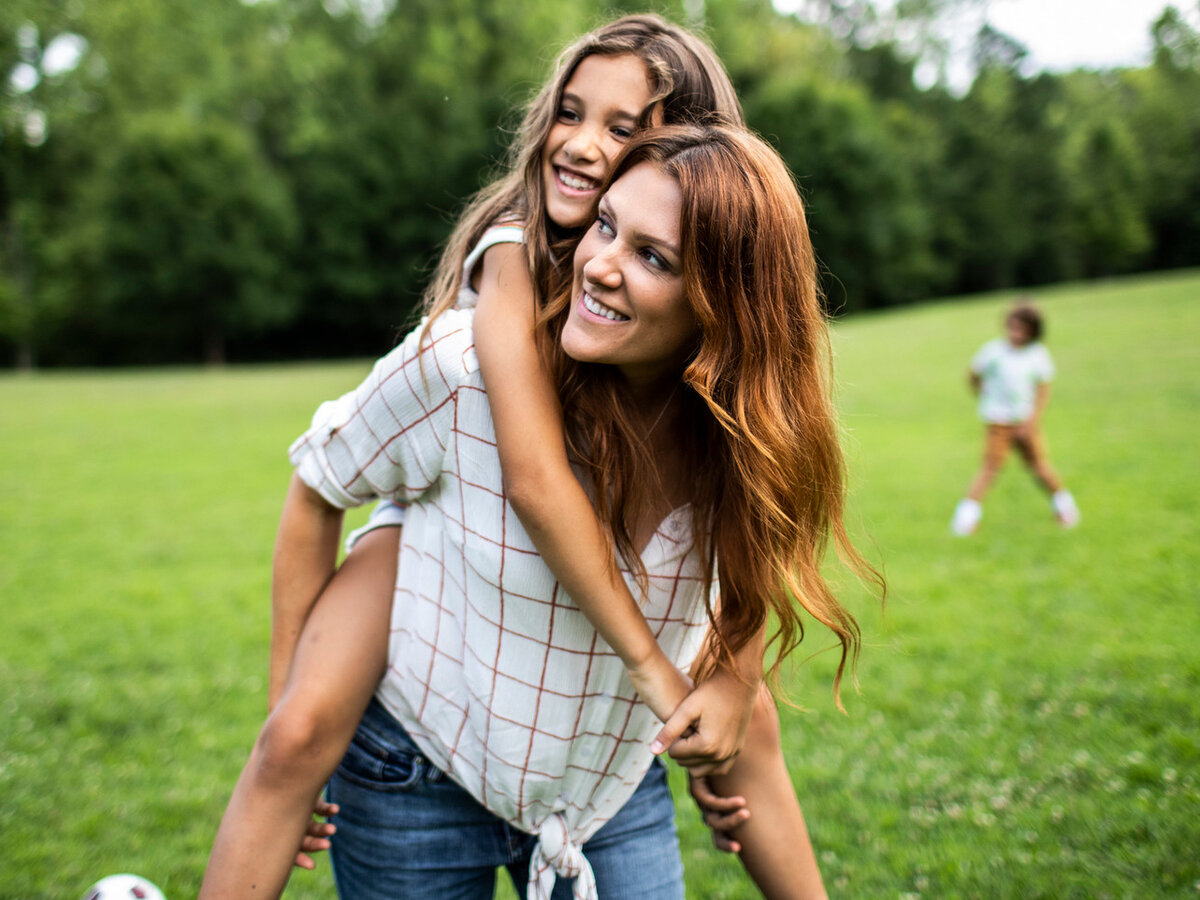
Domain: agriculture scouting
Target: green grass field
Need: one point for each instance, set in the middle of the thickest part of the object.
(1028, 724)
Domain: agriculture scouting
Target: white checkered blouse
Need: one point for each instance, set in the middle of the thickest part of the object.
(493, 671)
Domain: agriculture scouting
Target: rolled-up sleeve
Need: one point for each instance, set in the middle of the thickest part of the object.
(388, 437)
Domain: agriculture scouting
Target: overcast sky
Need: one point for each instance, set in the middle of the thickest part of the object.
(1059, 34)
(1065, 34)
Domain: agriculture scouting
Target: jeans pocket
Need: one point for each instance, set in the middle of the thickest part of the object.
(372, 765)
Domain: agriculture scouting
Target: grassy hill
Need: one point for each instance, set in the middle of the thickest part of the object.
(1027, 720)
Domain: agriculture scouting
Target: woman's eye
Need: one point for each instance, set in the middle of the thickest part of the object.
(568, 115)
(604, 226)
(621, 132)
(654, 259)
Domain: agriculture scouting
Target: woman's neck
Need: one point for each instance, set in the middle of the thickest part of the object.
(652, 396)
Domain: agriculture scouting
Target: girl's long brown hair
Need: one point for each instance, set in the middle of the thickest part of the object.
(759, 430)
(688, 83)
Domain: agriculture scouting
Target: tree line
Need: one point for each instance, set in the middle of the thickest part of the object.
(269, 179)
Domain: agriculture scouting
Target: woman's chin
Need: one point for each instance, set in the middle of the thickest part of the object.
(578, 347)
(580, 354)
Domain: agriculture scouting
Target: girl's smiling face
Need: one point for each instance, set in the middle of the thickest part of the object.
(628, 306)
(599, 110)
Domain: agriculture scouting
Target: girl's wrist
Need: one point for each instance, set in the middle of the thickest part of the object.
(660, 685)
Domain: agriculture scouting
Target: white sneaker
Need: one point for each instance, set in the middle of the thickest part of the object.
(1065, 509)
(966, 517)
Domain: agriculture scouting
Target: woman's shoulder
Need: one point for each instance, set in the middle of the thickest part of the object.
(441, 346)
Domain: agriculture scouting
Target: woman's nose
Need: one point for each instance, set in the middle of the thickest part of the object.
(604, 268)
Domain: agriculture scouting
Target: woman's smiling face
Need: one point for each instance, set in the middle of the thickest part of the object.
(628, 307)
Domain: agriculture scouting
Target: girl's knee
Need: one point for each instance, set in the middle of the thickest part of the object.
(291, 742)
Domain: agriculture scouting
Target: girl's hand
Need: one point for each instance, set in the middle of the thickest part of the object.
(316, 839)
(706, 733)
(721, 814)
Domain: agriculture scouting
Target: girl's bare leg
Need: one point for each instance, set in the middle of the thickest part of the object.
(339, 661)
(774, 843)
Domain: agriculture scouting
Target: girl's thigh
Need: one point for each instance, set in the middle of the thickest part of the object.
(342, 652)
(635, 856)
(404, 830)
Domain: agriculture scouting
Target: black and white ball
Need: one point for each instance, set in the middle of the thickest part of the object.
(123, 887)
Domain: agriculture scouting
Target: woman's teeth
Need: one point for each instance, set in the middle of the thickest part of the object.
(597, 308)
(576, 182)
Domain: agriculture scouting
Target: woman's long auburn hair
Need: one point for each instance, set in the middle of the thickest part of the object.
(758, 431)
(688, 84)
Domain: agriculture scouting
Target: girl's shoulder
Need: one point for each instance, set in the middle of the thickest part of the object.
(508, 229)
(505, 230)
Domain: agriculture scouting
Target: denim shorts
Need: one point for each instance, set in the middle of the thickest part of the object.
(405, 831)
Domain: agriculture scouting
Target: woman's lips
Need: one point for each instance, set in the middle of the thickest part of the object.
(598, 310)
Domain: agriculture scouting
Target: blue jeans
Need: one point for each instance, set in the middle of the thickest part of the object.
(406, 831)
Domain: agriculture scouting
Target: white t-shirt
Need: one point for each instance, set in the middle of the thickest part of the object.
(1010, 378)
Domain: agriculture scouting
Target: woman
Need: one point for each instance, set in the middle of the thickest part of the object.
(691, 359)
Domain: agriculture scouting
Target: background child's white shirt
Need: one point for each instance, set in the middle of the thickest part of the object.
(1010, 377)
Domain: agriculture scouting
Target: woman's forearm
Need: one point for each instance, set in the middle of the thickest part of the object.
(304, 561)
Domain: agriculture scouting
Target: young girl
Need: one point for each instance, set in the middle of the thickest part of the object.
(1011, 376)
(631, 73)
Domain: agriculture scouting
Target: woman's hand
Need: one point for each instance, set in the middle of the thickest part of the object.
(316, 838)
(706, 733)
(721, 814)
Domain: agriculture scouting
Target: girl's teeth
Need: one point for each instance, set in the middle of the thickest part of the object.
(599, 309)
(573, 181)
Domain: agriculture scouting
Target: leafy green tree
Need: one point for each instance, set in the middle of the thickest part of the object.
(1160, 105)
(275, 178)
(870, 229)
(40, 102)
(1106, 195)
(196, 231)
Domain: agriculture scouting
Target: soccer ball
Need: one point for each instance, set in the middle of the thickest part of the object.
(123, 887)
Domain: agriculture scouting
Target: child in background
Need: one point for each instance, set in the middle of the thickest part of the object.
(1011, 376)
(328, 656)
